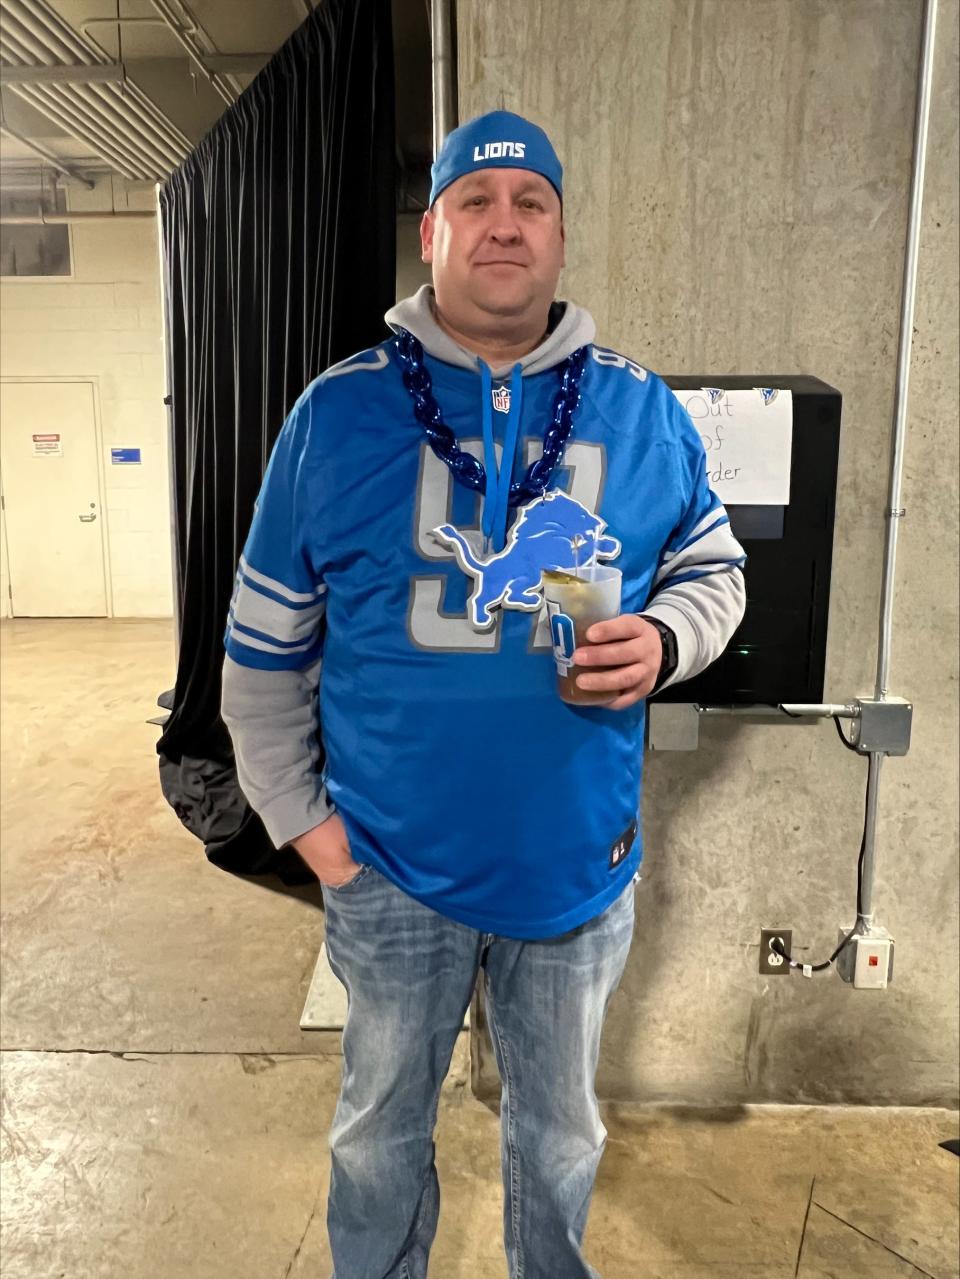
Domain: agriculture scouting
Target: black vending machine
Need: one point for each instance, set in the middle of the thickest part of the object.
(778, 652)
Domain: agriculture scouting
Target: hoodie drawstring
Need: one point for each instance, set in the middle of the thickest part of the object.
(496, 503)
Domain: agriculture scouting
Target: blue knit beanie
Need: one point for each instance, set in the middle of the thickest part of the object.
(497, 140)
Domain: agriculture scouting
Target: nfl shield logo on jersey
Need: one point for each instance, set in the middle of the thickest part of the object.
(501, 399)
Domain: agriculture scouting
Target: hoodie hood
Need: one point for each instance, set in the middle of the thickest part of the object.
(570, 327)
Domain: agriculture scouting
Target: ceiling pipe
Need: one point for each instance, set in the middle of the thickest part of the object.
(119, 112)
(148, 142)
(62, 74)
(123, 22)
(115, 72)
(114, 118)
(193, 49)
(444, 72)
(104, 130)
(63, 115)
(14, 44)
(54, 161)
(47, 25)
(60, 219)
(162, 127)
(85, 123)
(43, 43)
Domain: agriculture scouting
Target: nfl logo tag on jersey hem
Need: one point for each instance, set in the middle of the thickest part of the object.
(621, 847)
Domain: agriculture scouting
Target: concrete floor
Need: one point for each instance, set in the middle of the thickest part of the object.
(164, 1117)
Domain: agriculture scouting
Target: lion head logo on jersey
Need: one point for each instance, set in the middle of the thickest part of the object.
(541, 537)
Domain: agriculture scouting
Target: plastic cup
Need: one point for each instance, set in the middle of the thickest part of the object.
(574, 600)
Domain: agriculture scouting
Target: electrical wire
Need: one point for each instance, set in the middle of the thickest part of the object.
(843, 737)
(809, 969)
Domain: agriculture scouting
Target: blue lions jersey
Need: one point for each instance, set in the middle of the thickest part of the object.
(459, 773)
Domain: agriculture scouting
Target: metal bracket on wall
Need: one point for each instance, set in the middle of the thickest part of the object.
(673, 726)
(880, 725)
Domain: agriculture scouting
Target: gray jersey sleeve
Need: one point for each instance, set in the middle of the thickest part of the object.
(703, 613)
(272, 718)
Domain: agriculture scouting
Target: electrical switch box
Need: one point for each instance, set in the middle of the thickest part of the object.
(867, 961)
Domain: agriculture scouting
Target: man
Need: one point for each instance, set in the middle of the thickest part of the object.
(460, 816)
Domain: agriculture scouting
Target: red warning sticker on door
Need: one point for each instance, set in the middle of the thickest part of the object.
(47, 445)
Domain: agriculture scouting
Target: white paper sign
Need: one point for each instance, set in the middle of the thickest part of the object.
(748, 436)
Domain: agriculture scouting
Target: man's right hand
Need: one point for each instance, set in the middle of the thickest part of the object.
(326, 850)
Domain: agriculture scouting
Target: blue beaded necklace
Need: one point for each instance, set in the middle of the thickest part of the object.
(467, 469)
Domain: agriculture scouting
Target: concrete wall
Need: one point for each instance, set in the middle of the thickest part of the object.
(736, 193)
(411, 271)
(104, 325)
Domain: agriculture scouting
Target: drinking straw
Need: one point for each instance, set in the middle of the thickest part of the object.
(576, 542)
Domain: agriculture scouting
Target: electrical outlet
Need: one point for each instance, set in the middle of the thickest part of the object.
(772, 964)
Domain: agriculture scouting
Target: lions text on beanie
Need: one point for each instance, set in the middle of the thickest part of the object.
(497, 140)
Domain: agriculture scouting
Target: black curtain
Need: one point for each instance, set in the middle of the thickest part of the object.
(278, 237)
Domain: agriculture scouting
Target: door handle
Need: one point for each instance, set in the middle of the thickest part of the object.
(86, 519)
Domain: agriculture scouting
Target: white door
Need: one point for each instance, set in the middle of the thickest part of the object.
(49, 473)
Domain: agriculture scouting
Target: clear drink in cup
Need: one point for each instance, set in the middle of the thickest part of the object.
(575, 598)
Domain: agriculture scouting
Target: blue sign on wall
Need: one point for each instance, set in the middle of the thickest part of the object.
(120, 457)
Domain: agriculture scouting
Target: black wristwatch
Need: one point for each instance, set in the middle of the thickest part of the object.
(668, 663)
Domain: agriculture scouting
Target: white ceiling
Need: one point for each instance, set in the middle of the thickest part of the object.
(167, 92)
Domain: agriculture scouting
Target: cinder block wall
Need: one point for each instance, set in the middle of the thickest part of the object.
(736, 195)
(104, 325)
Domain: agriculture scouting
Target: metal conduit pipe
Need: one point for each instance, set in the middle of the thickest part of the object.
(75, 120)
(18, 51)
(54, 161)
(106, 122)
(119, 110)
(157, 132)
(126, 22)
(44, 45)
(828, 710)
(127, 105)
(65, 119)
(88, 127)
(894, 513)
(64, 115)
(193, 50)
(45, 21)
(13, 51)
(60, 73)
(135, 144)
(24, 49)
(441, 58)
(205, 47)
(163, 128)
(156, 150)
(57, 219)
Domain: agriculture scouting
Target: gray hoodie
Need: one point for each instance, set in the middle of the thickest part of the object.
(568, 327)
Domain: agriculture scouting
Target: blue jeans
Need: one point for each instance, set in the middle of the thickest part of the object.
(409, 974)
